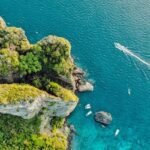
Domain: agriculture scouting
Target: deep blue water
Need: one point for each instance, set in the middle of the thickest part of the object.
(92, 27)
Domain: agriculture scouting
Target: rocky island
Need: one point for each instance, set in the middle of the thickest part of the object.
(37, 91)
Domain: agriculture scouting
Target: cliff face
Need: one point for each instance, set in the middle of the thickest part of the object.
(52, 106)
(27, 101)
(40, 102)
(37, 90)
(36, 81)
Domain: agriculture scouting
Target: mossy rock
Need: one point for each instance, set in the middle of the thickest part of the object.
(14, 39)
(9, 63)
(13, 93)
(59, 91)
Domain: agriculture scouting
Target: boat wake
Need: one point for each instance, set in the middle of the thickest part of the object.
(126, 51)
(129, 52)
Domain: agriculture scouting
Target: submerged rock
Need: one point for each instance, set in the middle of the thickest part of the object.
(103, 117)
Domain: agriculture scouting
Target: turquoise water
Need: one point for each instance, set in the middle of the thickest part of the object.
(92, 27)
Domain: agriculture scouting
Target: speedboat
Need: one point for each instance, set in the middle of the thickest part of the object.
(117, 132)
(129, 91)
(88, 106)
(89, 113)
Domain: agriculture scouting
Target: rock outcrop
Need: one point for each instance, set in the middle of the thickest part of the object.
(81, 84)
(27, 109)
(37, 83)
(86, 86)
(29, 101)
(2, 23)
(104, 118)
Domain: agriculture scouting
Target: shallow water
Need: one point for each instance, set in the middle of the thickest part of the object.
(93, 27)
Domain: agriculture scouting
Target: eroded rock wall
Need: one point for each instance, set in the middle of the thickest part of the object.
(50, 106)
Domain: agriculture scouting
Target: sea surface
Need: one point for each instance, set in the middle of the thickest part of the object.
(92, 27)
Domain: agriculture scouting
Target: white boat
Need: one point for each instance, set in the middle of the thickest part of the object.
(129, 91)
(88, 106)
(117, 132)
(89, 113)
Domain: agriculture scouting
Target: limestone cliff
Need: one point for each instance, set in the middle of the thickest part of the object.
(37, 90)
(20, 106)
(36, 84)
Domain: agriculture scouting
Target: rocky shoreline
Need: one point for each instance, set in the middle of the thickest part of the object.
(80, 83)
(38, 82)
(70, 138)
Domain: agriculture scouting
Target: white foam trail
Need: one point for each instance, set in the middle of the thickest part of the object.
(126, 51)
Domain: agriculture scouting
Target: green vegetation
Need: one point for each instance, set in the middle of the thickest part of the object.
(40, 65)
(8, 62)
(23, 61)
(14, 39)
(12, 93)
(57, 122)
(58, 141)
(37, 82)
(29, 63)
(59, 91)
(20, 134)
(56, 55)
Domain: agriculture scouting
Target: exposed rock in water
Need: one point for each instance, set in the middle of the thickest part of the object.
(78, 71)
(80, 83)
(72, 128)
(103, 117)
(85, 87)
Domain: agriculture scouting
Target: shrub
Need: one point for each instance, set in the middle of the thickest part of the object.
(36, 81)
(20, 134)
(29, 64)
(9, 62)
(57, 122)
(14, 39)
(56, 55)
(61, 92)
(12, 93)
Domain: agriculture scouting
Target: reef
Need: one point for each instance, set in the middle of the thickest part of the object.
(37, 90)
